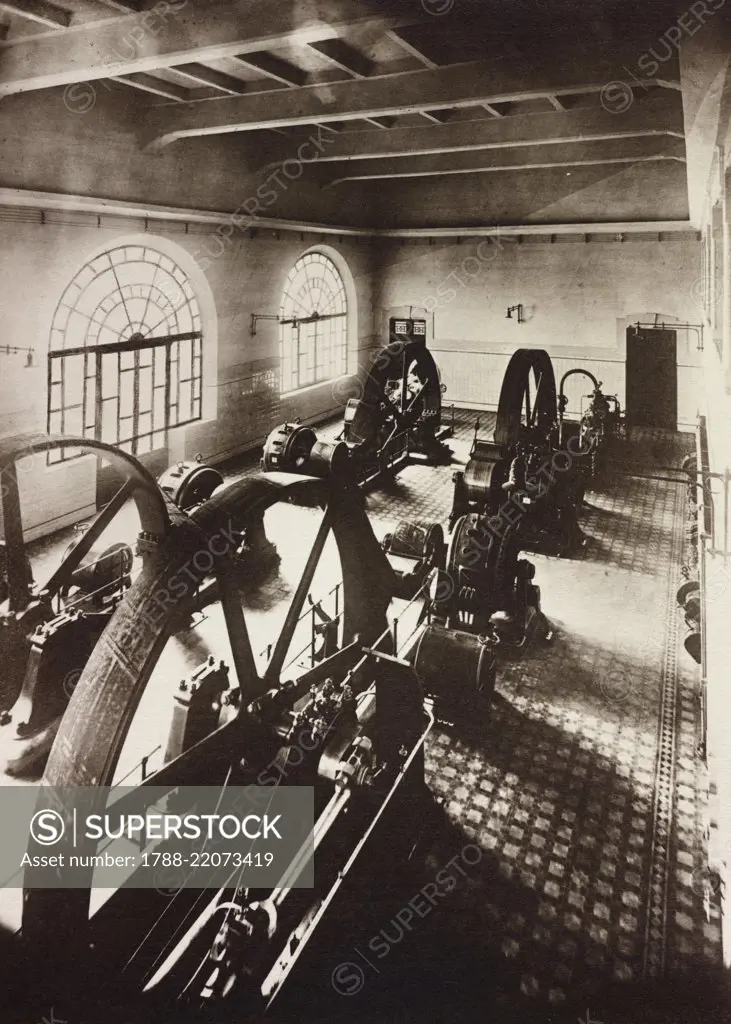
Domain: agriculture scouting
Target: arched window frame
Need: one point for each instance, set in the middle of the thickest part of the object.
(149, 287)
(315, 322)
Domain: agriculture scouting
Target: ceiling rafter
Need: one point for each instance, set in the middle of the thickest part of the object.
(436, 116)
(660, 116)
(155, 86)
(404, 43)
(192, 34)
(512, 168)
(274, 67)
(40, 12)
(210, 78)
(123, 6)
(463, 85)
(345, 57)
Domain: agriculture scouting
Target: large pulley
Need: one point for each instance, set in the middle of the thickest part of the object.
(357, 725)
(188, 484)
(47, 631)
(397, 415)
(521, 475)
(527, 407)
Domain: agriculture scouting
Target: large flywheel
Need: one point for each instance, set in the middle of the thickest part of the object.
(407, 378)
(527, 404)
(521, 474)
(48, 629)
(195, 603)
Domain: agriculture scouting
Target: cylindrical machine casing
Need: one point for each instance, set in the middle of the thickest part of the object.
(456, 666)
(288, 447)
(361, 421)
(188, 484)
(102, 567)
(416, 540)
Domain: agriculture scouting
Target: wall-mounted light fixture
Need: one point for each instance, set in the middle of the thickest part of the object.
(14, 350)
(515, 309)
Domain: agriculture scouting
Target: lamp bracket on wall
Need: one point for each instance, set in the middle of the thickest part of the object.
(698, 328)
(291, 321)
(517, 310)
(14, 350)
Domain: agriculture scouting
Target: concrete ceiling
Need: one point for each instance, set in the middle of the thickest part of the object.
(412, 93)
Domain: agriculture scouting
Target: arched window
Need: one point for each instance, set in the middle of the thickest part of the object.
(313, 326)
(125, 359)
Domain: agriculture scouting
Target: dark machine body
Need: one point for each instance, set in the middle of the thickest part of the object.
(352, 725)
(481, 587)
(600, 424)
(47, 633)
(398, 416)
(521, 476)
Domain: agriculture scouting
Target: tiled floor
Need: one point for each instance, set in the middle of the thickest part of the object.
(582, 790)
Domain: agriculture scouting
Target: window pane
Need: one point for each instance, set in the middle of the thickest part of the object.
(110, 384)
(312, 349)
(124, 291)
(126, 393)
(145, 386)
(109, 421)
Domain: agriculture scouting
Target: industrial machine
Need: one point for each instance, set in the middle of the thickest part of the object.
(188, 484)
(174, 693)
(397, 418)
(481, 585)
(414, 551)
(521, 476)
(48, 631)
(600, 423)
(689, 595)
(491, 590)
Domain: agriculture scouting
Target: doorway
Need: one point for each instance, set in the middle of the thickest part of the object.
(651, 378)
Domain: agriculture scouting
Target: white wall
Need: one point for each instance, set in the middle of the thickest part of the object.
(39, 258)
(578, 299)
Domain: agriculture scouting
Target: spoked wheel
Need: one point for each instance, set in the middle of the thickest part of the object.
(406, 377)
(47, 631)
(147, 948)
(527, 400)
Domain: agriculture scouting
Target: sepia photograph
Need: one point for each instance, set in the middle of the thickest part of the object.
(365, 484)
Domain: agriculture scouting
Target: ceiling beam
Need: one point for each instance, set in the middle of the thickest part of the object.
(40, 12)
(436, 116)
(40, 201)
(345, 57)
(123, 6)
(210, 78)
(411, 49)
(156, 86)
(165, 36)
(661, 115)
(274, 67)
(507, 165)
(462, 85)
(439, 163)
(381, 122)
